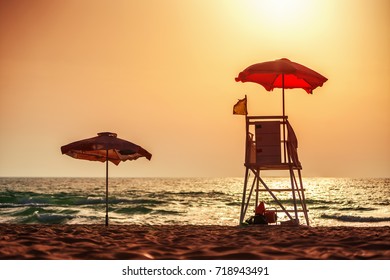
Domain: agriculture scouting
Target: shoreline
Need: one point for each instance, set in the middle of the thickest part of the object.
(191, 242)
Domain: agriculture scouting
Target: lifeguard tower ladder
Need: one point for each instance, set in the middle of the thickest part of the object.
(271, 144)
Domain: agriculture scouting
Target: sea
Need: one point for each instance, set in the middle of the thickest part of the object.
(185, 201)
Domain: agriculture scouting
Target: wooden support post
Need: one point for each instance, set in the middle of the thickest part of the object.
(242, 215)
(250, 195)
(303, 198)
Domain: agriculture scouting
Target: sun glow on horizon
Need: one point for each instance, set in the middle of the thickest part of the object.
(280, 21)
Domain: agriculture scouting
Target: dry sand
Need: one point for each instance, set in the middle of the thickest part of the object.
(192, 242)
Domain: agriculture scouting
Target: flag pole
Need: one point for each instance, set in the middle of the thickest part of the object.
(246, 106)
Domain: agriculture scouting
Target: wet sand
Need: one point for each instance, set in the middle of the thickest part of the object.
(136, 242)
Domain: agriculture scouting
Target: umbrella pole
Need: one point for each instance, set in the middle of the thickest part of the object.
(283, 95)
(284, 122)
(106, 187)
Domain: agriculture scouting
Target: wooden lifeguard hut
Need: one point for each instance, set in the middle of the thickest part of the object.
(271, 145)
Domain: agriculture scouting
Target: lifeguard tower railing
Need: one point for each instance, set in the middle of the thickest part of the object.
(271, 145)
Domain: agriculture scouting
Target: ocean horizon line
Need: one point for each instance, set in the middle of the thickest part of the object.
(194, 177)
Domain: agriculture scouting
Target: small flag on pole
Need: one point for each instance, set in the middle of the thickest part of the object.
(240, 107)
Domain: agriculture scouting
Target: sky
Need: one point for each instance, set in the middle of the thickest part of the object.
(161, 74)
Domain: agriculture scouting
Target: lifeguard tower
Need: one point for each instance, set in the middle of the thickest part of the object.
(271, 145)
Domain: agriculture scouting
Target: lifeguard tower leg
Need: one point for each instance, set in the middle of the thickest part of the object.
(242, 215)
(303, 198)
(292, 175)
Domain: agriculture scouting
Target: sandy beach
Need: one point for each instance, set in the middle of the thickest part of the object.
(192, 242)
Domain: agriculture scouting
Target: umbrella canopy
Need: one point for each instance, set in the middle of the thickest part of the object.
(282, 73)
(96, 148)
(105, 147)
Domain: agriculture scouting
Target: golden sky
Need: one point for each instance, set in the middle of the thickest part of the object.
(161, 74)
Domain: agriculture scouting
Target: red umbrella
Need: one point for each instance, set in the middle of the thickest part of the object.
(282, 73)
(105, 147)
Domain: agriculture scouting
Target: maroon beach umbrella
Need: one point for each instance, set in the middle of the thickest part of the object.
(104, 148)
(282, 73)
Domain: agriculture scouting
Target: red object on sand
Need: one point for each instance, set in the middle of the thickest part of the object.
(260, 209)
(270, 216)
